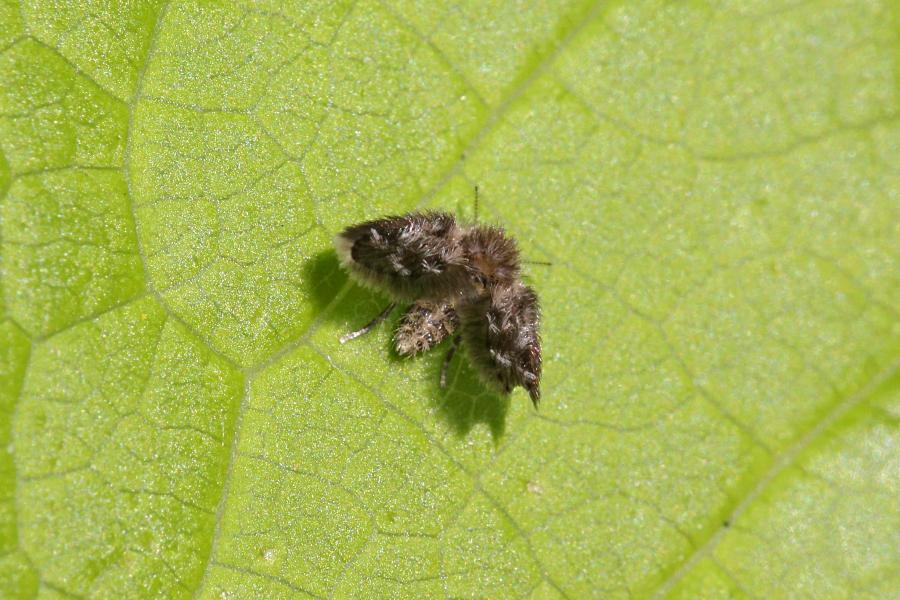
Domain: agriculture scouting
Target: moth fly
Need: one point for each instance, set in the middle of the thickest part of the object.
(463, 282)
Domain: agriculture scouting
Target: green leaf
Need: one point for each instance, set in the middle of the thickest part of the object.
(717, 186)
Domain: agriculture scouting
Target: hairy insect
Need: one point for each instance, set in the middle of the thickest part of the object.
(465, 284)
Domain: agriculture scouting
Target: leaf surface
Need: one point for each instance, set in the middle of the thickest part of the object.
(715, 184)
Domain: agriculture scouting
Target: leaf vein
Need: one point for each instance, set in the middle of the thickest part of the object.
(784, 460)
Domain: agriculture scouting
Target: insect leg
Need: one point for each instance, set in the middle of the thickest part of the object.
(370, 325)
(454, 344)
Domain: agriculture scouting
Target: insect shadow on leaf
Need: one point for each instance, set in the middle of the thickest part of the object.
(326, 278)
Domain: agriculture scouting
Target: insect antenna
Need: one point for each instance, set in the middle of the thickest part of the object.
(543, 263)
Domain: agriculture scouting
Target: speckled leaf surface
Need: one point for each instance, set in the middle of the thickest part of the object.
(716, 184)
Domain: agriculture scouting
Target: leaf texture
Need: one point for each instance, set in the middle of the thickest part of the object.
(715, 184)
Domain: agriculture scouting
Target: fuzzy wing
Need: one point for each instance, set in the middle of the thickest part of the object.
(411, 257)
(501, 334)
(423, 326)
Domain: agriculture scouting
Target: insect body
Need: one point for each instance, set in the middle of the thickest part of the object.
(459, 277)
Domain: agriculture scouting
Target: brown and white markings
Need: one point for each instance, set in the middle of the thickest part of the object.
(500, 332)
(459, 277)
